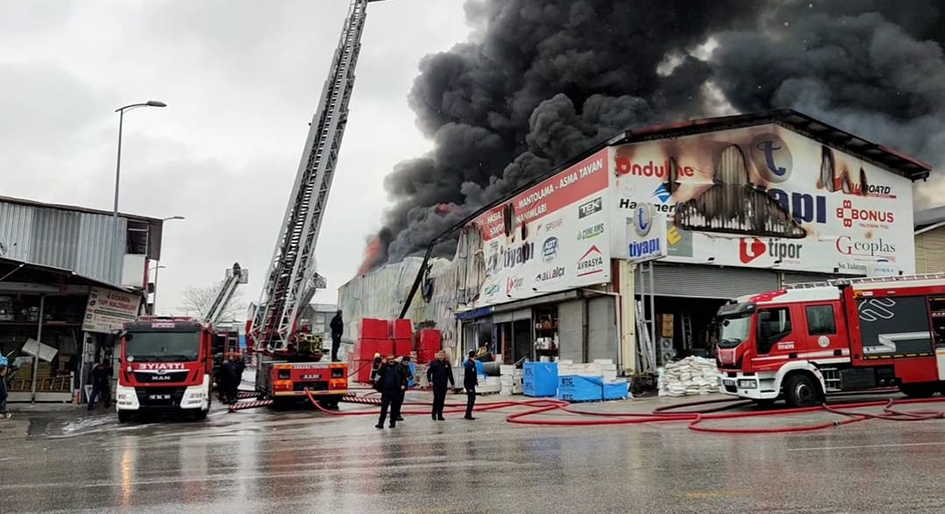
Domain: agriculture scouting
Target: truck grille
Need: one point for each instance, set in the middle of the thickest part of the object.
(168, 377)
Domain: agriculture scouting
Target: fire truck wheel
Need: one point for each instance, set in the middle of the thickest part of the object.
(918, 390)
(124, 416)
(801, 390)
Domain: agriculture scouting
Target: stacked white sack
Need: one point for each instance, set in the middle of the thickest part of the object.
(689, 377)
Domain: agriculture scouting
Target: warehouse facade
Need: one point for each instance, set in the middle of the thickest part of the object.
(65, 290)
(724, 206)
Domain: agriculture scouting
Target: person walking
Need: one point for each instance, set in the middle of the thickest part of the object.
(391, 382)
(405, 363)
(337, 329)
(101, 388)
(470, 379)
(438, 375)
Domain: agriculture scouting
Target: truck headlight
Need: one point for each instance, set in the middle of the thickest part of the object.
(747, 384)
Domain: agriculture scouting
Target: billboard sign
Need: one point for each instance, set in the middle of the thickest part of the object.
(108, 311)
(552, 237)
(766, 197)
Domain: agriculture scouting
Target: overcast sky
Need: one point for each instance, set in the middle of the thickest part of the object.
(241, 79)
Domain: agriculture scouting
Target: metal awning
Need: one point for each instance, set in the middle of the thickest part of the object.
(24, 277)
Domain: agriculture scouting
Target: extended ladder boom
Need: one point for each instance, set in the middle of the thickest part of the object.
(292, 281)
(234, 277)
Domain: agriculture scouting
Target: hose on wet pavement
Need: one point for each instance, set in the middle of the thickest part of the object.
(707, 411)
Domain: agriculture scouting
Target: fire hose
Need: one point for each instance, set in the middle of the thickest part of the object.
(695, 419)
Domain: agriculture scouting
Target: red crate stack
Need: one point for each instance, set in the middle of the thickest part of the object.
(430, 342)
(402, 331)
(375, 328)
(385, 347)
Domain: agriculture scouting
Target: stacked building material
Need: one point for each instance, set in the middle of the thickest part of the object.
(689, 377)
(511, 379)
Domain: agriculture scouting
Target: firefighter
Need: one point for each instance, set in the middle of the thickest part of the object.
(231, 380)
(101, 386)
(438, 374)
(470, 378)
(337, 329)
(375, 367)
(391, 382)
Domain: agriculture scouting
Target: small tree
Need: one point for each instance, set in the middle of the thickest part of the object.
(197, 301)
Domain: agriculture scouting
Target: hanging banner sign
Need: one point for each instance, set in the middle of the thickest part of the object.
(108, 311)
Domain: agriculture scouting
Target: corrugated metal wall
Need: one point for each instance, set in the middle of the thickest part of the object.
(15, 223)
(95, 232)
(55, 238)
(930, 251)
(73, 240)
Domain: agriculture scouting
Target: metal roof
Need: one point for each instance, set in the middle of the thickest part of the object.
(928, 217)
(34, 203)
(893, 160)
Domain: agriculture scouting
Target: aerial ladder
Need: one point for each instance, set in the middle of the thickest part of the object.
(291, 280)
(234, 278)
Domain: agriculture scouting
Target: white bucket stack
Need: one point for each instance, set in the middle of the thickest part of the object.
(689, 377)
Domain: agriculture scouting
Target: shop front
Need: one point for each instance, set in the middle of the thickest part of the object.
(54, 326)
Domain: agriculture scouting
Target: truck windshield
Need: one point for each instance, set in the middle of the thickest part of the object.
(734, 331)
(163, 346)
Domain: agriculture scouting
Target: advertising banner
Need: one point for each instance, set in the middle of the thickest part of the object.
(646, 235)
(553, 237)
(767, 197)
(108, 311)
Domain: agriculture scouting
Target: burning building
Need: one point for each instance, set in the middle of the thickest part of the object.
(723, 207)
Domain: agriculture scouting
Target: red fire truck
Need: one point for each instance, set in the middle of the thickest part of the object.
(841, 335)
(166, 365)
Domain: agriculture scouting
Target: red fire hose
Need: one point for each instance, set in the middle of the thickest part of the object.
(697, 419)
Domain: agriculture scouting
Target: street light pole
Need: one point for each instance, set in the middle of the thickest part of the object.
(116, 252)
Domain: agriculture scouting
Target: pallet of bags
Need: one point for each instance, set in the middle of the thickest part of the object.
(689, 377)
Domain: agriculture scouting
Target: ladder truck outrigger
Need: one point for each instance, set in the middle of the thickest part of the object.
(289, 358)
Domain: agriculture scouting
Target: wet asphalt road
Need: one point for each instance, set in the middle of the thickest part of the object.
(265, 461)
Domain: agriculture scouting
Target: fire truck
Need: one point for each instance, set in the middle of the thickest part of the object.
(166, 366)
(840, 335)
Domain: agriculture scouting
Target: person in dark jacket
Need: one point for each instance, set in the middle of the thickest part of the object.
(439, 374)
(231, 380)
(391, 382)
(405, 362)
(234, 379)
(469, 383)
(337, 329)
(101, 387)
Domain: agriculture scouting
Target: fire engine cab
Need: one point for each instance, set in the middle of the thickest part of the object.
(166, 365)
(841, 335)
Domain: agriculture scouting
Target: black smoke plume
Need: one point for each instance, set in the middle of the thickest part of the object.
(545, 79)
